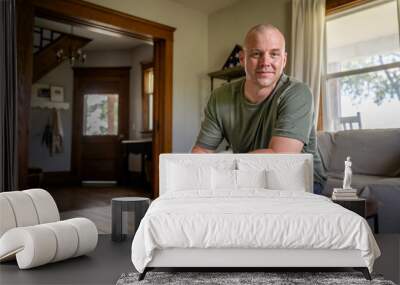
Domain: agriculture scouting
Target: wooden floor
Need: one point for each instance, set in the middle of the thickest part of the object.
(92, 202)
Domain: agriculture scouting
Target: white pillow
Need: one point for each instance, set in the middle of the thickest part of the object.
(293, 180)
(281, 173)
(182, 177)
(251, 178)
(223, 179)
(228, 179)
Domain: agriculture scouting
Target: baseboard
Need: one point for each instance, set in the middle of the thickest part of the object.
(60, 178)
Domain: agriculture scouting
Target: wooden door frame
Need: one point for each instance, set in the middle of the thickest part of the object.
(98, 17)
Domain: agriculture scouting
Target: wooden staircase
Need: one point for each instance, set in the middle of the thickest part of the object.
(46, 45)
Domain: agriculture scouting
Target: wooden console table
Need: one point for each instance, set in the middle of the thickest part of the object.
(226, 74)
(141, 146)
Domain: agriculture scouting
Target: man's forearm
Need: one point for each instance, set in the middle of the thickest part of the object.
(281, 145)
(263, 150)
(199, 149)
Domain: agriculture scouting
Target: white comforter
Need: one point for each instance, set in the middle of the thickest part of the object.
(250, 219)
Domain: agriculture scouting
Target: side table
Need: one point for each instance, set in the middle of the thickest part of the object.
(138, 205)
(357, 205)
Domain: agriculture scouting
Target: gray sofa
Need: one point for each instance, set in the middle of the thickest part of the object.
(376, 169)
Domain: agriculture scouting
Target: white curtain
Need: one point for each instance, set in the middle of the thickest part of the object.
(307, 53)
(398, 16)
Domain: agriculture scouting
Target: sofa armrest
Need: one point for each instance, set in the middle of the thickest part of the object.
(325, 143)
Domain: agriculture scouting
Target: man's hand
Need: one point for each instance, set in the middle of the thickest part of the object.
(282, 145)
(199, 149)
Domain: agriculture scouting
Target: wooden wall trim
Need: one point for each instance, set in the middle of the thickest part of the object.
(335, 6)
(157, 136)
(106, 18)
(162, 128)
(167, 99)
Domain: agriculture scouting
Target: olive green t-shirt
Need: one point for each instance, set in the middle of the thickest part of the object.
(287, 112)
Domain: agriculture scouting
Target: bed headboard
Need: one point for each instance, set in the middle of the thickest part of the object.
(297, 166)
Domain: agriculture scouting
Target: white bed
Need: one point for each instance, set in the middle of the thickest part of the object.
(242, 210)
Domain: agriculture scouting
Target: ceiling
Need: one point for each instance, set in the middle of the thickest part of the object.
(101, 40)
(206, 6)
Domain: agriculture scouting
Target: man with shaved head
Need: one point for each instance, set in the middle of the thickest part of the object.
(266, 112)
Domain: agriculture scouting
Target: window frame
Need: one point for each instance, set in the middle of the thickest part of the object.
(145, 101)
(338, 6)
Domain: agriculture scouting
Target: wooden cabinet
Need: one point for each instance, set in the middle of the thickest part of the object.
(356, 205)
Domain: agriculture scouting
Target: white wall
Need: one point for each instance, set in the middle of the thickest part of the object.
(228, 27)
(39, 154)
(190, 81)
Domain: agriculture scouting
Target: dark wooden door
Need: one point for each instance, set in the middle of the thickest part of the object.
(101, 102)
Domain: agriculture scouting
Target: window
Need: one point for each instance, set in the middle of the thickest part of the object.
(100, 114)
(147, 97)
(363, 66)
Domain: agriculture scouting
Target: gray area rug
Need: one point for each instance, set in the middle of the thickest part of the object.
(273, 278)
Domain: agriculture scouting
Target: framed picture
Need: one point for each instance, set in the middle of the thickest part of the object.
(57, 94)
(41, 92)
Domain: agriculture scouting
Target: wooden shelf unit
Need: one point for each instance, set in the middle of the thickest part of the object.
(226, 74)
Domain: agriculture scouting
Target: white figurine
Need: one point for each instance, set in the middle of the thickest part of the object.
(347, 174)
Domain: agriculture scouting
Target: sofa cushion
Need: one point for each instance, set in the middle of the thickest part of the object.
(23, 207)
(373, 152)
(7, 215)
(325, 146)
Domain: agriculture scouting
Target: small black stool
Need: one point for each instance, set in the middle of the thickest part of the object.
(138, 205)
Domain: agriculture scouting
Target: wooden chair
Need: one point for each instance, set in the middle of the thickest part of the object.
(350, 120)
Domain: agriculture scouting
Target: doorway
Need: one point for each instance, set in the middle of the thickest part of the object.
(100, 18)
(101, 100)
